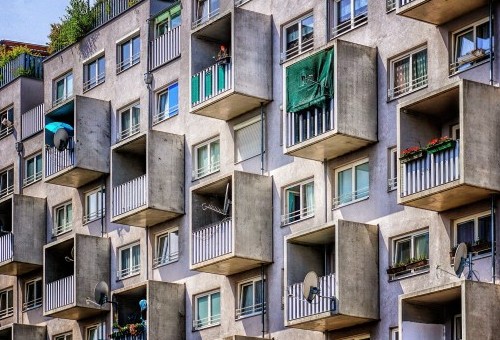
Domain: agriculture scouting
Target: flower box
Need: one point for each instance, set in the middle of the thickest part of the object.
(480, 247)
(417, 264)
(395, 270)
(445, 145)
(412, 156)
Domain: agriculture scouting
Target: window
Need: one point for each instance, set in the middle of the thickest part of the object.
(298, 36)
(248, 139)
(250, 301)
(94, 205)
(392, 181)
(408, 73)
(299, 202)
(410, 253)
(6, 303)
(129, 53)
(129, 123)
(394, 333)
(94, 73)
(207, 310)
(352, 183)
(206, 158)
(67, 336)
(390, 5)
(96, 332)
(6, 122)
(63, 88)
(33, 294)
(6, 182)
(63, 219)
(168, 21)
(130, 261)
(205, 10)
(455, 132)
(475, 231)
(470, 46)
(168, 103)
(349, 14)
(33, 169)
(167, 248)
(457, 327)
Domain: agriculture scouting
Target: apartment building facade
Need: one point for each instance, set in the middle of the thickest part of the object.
(193, 162)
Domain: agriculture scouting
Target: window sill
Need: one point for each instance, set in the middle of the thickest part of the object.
(297, 221)
(85, 221)
(166, 118)
(32, 182)
(205, 327)
(351, 202)
(166, 263)
(206, 175)
(31, 308)
(391, 99)
(482, 62)
(415, 272)
(121, 278)
(62, 233)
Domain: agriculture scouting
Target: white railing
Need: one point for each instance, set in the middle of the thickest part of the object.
(407, 87)
(206, 322)
(141, 336)
(169, 112)
(130, 195)
(169, 258)
(212, 241)
(405, 2)
(298, 307)
(165, 48)
(297, 215)
(201, 20)
(299, 48)
(132, 130)
(128, 63)
(309, 123)
(206, 170)
(209, 83)
(57, 230)
(126, 272)
(6, 247)
(32, 304)
(59, 293)
(60, 100)
(93, 82)
(56, 160)
(7, 191)
(350, 24)
(351, 197)
(392, 183)
(6, 131)
(32, 121)
(390, 5)
(6, 312)
(250, 310)
(468, 60)
(430, 171)
(33, 178)
(94, 216)
(240, 2)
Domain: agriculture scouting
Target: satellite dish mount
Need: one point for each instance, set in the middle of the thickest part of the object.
(462, 259)
(225, 208)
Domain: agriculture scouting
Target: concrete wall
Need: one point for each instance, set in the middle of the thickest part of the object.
(166, 309)
(480, 310)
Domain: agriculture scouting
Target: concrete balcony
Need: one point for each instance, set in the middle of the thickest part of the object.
(462, 172)
(85, 158)
(15, 331)
(227, 84)
(148, 179)
(461, 310)
(23, 234)
(164, 314)
(236, 239)
(24, 65)
(344, 256)
(437, 12)
(323, 118)
(72, 268)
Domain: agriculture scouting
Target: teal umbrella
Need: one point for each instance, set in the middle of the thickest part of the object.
(54, 126)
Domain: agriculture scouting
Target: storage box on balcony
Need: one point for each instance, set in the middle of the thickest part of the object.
(467, 112)
(148, 179)
(469, 308)
(236, 239)
(17, 331)
(165, 313)
(330, 110)
(72, 268)
(22, 237)
(344, 255)
(437, 12)
(227, 84)
(85, 157)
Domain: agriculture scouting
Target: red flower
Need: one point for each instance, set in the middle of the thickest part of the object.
(410, 150)
(436, 141)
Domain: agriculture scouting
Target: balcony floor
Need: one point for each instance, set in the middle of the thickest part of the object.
(145, 217)
(327, 322)
(438, 12)
(13, 268)
(73, 177)
(228, 264)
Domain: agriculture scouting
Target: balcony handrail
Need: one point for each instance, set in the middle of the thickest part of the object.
(24, 65)
(130, 195)
(167, 113)
(212, 241)
(392, 183)
(93, 82)
(350, 24)
(57, 230)
(404, 2)
(7, 191)
(130, 131)
(6, 131)
(218, 85)
(6, 247)
(165, 48)
(299, 48)
(351, 196)
(32, 304)
(169, 258)
(141, 336)
(297, 215)
(207, 170)
(129, 62)
(469, 59)
(32, 121)
(59, 293)
(240, 2)
(203, 19)
(250, 310)
(33, 178)
(4, 313)
(211, 320)
(56, 160)
(407, 87)
(433, 170)
(107, 10)
(127, 272)
(94, 215)
(65, 98)
(298, 307)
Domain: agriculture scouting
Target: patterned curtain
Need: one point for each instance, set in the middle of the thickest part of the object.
(419, 68)
(401, 76)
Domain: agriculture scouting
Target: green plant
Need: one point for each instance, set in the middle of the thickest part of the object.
(7, 56)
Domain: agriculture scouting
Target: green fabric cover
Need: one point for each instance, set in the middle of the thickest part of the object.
(167, 14)
(208, 84)
(195, 88)
(221, 77)
(309, 81)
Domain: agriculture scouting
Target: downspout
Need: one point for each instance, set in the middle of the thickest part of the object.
(325, 175)
(103, 208)
(262, 292)
(261, 138)
(20, 149)
(493, 236)
(490, 28)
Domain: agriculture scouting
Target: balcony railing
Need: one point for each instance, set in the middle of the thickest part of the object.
(207, 170)
(309, 123)
(212, 241)
(169, 112)
(392, 183)
(210, 82)
(60, 229)
(56, 160)
(32, 304)
(108, 9)
(468, 60)
(240, 2)
(5, 131)
(209, 321)
(6, 312)
(348, 25)
(350, 197)
(33, 178)
(129, 271)
(59, 293)
(165, 48)
(32, 121)
(297, 215)
(404, 2)
(23, 65)
(390, 5)
(132, 130)
(131, 337)
(93, 82)
(7, 190)
(304, 46)
(407, 87)
(298, 307)
(130, 195)
(6, 246)
(166, 259)
(94, 216)
(249, 310)
(199, 20)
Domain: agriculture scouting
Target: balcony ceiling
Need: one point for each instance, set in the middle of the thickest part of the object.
(443, 105)
(218, 31)
(436, 297)
(317, 237)
(438, 12)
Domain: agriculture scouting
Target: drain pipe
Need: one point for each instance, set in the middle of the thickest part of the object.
(20, 149)
(261, 138)
(325, 175)
(493, 236)
(490, 28)
(103, 202)
(262, 292)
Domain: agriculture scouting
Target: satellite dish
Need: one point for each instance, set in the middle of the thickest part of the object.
(310, 286)
(61, 138)
(227, 201)
(72, 257)
(101, 292)
(460, 259)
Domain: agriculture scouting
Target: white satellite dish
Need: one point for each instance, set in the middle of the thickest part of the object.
(101, 292)
(311, 289)
(460, 259)
(61, 138)
(72, 257)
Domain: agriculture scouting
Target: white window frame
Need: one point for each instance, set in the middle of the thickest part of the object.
(87, 218)
(468, 218)
(392, 179)
(134, 59)
(411, 237)
(394, 333)
(98, 78)
(301, 46)
(100, 329)
(124, 273)
(37, 302)
(66, 225)
(67, 93)
(9, 310)
(65, 336)
(214, 320)
(353, 22)
(9, 189)
(211, 168)
(133, 129)
(413, 84)
(200, 19)
(256, 309)
(32, 178)
(161, 259)
(237, 129)
(455, 132)
(353, 193)
(303, 212)
(455, 324)
(390, 5)
(169, 112)
(8, 114)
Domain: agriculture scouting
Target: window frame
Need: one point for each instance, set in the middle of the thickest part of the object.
(99, 78)
(37, 176)
(96, 327)
(131, 271)
(302, 46)
(394, 333)
(66, 94)
(64, 336)
(341, 27)
(410, 86)
(216, 318)
(8, 113)
(9, 189)
(304, 212)
(68, 225)
(407, 272)
(241, 126)
(134, 59)
(173, 111)
(38, 301)
(171, 258)
(475, 218)
(133, 129)
(9, 310)
(455, 324)
(392, 173)
(353, 193)
(212, 168)
(256, 309)
(87, 218)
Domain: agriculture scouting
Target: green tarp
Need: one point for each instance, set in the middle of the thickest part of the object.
(309, 81)
(167, 14)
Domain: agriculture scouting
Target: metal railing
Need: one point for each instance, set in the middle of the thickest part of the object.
(407, 87)
(6, 247)
(59, 293)
(141, 336)
(5, 131)
(250, 310)
(203, 19)
(390, 5)
(7, 191)
(57, 230)
(210, 82)
(93, 82)
(130, 195)
(32, 121)
(351, 197)
(298, 307)
(207, 170)
(64, 98)
(211, 320)
(169, 112)
(350, 24)
(32, 304)
(132, 130)
(297, 215)
(24, 65)
(404, 2)
(128, 63)
(94, 216)
(468, 60)
(309, 123)
(212, 241)
(106, 10)
(56, 160)
(164, 48)
(33, 178)
(126, 272)
(169, 258)
(6, 312)
(304, 46)
(430, 171)
(240, 2)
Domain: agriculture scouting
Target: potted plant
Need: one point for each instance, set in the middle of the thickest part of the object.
(417, 262)
(396, 268)
(480, 245)
(411, 153)
(440, 144)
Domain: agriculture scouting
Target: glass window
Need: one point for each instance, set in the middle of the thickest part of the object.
(172, 21)
(129, 53)
(348, 14)
(63, 219)
(408, 73)
(457, 325)
(167, 248)
(352, 183)
(248, 138)
(6, 122)
(205, 10)
(67, 336)
(250, 301)
(471, 45)
(130, 121)
(299, 202)
(94, 73)
(6, 303)
(130, 261)
(410, 248)
(475, 231)
(298, 36)
(96, 332)
(392, 178)
(168, 103)
(394, 333)
(33, 169)
(33, 294)
(94, 204)
(207, 310)
(6, 182)
(63, 88)
(206, 158)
